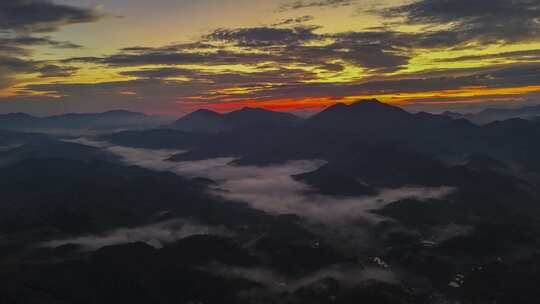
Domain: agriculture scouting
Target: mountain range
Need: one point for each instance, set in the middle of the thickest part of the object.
(393, 207)
(80, 121)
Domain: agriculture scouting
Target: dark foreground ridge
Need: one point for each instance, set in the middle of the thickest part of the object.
(82, 224)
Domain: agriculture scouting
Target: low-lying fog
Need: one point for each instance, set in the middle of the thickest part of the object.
(272, 188)
(344, 220)
(155, 235)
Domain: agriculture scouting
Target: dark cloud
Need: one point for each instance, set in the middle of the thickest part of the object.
(151, 57)
(154, 91)
(484, 21)
(21, 45)
(300, 4)
(265, 36)
(41, 15)
(32, 41)
(294, 21)
(505, 76)
(178, 54)
(390, 39)
(51, 70)
(280, 75)
(383, 51)
(284, 54)
(86, 59)
(16, 64)
(20, 20)
(136, 49)
(527, 55)
(10, 66)
(162, 73)
(155, 87)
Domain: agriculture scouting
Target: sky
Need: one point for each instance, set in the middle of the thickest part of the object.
(173, 57)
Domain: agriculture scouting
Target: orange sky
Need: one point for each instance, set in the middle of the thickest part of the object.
(172, 57)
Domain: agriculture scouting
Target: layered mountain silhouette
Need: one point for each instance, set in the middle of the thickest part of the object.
(261, 136)
(340, 131)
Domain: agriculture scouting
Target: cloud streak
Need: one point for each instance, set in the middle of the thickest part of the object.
(302, 4)
(155, 235)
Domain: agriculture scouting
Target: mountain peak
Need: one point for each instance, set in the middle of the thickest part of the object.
(212, 122)
(251, 110)
(204, 112)
(202, 120)
(368, 102)
(363, 113)
(372, 104)
(363, 104)
(258, 112)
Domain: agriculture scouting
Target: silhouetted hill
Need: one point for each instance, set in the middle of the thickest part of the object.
(19, 146)
(256, 117)
(103, 195)
(202, 121)
(376, 168)
(54, 149)
(362, 116)
(339, 131)
(206, 121)
(12, 138)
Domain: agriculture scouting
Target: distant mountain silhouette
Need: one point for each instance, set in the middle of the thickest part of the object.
(12, 138)
(203, 120)
(79, 121)
(490, 115)
(362, 114)
(206, 121)
(19, 146)
(258, 137)
(256, 117)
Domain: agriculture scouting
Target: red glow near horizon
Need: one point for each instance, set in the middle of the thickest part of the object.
(286, 105)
